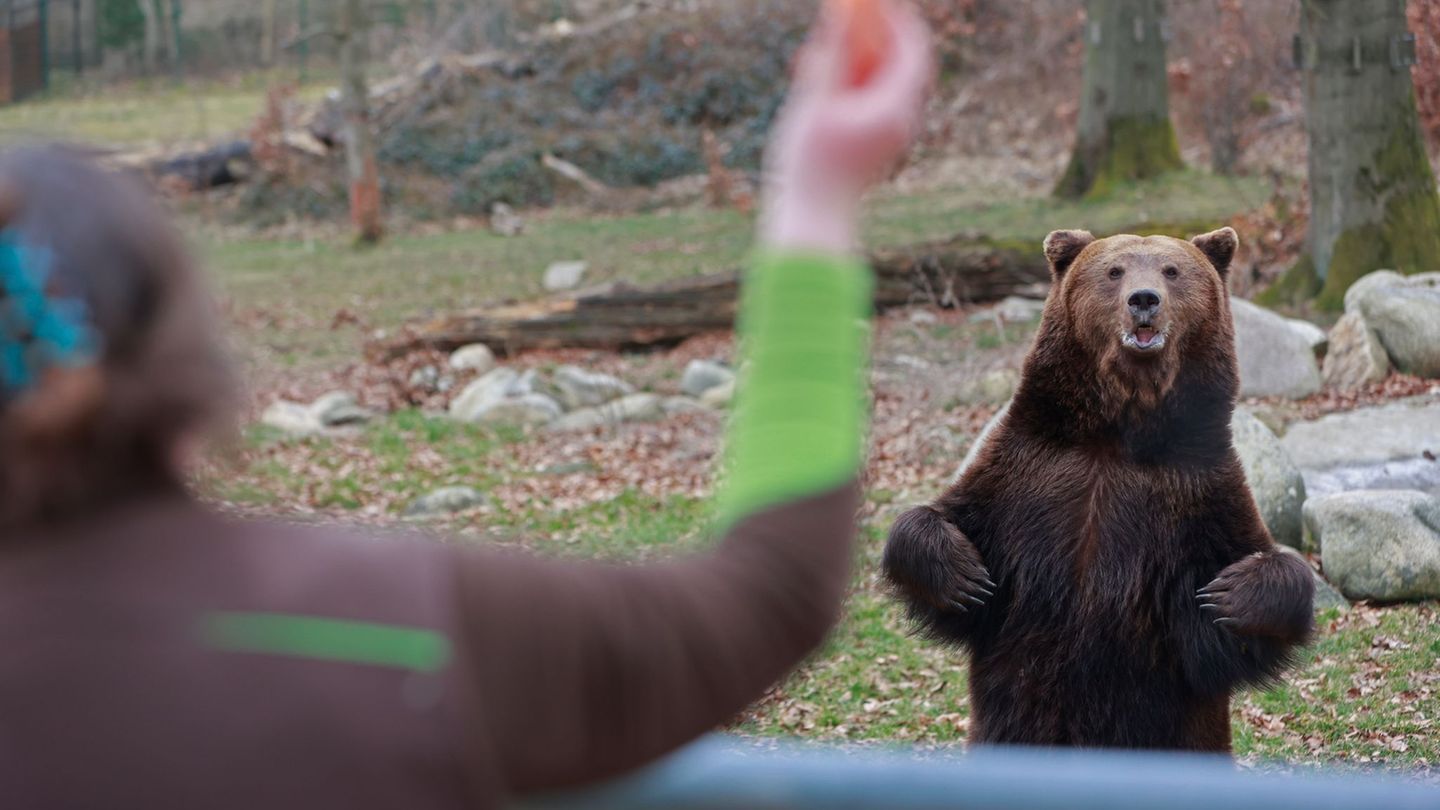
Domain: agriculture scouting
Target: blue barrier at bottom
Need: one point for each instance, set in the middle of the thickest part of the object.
(719, 772)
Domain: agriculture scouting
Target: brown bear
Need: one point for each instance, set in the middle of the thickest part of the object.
(1103, 561)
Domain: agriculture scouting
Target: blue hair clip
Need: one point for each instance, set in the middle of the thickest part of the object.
(37, 332)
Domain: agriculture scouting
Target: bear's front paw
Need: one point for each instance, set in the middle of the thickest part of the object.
(932, 562)
(967, 582)
(1265, 594)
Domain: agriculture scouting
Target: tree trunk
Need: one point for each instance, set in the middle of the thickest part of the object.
(360, 166)
(1373, 202)
(152, 34)
(267, 32)
(1124, 132)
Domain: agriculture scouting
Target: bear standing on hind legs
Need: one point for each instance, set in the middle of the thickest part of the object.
(1103, 561)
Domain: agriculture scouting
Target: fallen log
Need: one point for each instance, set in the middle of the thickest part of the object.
(624, 316)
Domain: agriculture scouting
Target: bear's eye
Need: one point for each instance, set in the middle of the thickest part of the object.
(1116, 272)
(1172, 272)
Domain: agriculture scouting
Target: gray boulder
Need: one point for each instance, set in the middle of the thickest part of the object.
(702, 375)
(1276, 357)
(1356, 357)
(1406, 316)
(1382, 545)
(1387, 447)
(632, 408)
(476, 357)
(491, 388)
(564, 275)
(525, 410)
(444, 501)
(339, 409)
(1367, 284)
(720, 396)
(1274, 480)
(291, 418)
(578, 388)
(672, 405)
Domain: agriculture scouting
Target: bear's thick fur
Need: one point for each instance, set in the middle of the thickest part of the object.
(1103, 561)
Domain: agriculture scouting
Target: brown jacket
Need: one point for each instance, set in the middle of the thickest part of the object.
(166, 657)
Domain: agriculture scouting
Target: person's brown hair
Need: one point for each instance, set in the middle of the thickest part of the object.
(85, 437)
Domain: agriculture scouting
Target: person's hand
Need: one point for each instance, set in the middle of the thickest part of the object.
(834, 140)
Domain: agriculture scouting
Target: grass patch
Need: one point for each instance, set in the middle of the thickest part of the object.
(149, 112)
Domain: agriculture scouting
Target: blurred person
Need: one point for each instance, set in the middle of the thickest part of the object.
(160, 655)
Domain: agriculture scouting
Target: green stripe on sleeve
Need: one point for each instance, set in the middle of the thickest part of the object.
(800, 416)
(322, 639)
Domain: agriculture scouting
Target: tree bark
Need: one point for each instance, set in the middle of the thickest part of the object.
(1373, 202)
(151, 51)
(1124, 132)
(360, 166)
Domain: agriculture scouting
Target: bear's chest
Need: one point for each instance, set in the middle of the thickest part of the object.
(1076, 530)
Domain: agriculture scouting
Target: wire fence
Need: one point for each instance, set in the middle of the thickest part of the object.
(718, 772)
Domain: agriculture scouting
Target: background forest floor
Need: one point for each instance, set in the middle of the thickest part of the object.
(1366, 692)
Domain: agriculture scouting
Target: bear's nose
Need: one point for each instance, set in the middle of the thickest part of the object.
(1144, 303)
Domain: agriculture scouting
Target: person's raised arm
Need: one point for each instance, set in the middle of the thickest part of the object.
(577, 672)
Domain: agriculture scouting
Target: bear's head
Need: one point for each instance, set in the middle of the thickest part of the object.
(1135, 314)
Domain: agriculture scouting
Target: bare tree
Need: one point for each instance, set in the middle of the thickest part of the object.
(151, 53)
(363, 173)
(1124, 131)
(1373, 202)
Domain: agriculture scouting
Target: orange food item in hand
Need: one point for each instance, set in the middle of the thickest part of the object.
(867, 37)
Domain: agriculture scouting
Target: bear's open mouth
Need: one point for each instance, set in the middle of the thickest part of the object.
(1144, 338)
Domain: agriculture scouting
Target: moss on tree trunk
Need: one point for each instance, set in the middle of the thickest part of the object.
(1134, 149)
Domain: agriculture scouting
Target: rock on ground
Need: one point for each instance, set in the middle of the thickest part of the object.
(632, 408)
(476, 357)
(491, 388)
(1356, 357)
(1379, 545)
(504, 221)
(578, 388)
(1276, 357)
(445, 501)
(291, 418)
(1382, 447)
(720, 396)
(1274, 480)
(333, 410)
(565, 275)
(525, 410)
(1405, 314)
(702, 375)
(683, 405)
(339, 408)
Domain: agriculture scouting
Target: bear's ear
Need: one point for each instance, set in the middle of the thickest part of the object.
(1219, 247)
(1061, 248)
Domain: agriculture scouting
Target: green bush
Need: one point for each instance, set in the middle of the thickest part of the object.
(514, 178)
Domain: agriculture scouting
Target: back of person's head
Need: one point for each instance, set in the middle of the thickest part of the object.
(109, 356)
